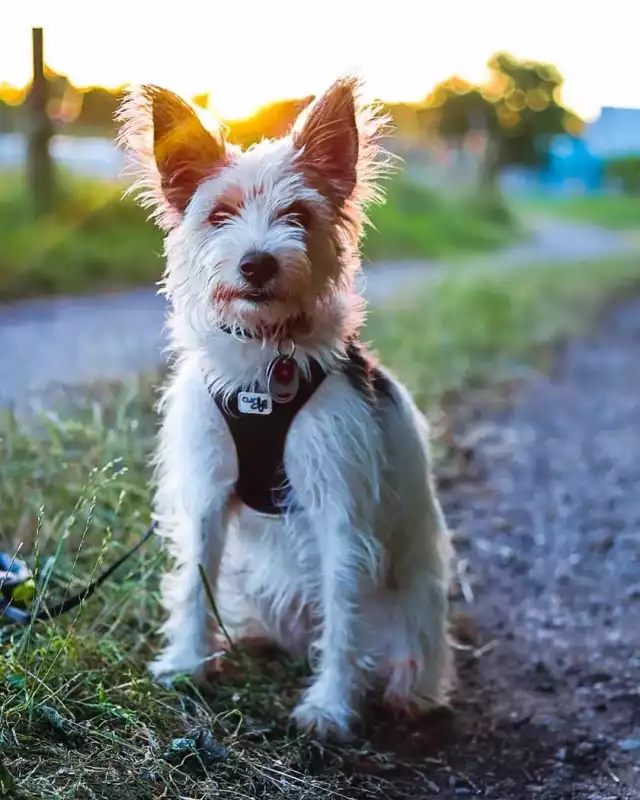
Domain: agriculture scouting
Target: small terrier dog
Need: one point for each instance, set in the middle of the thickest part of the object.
(290, 467)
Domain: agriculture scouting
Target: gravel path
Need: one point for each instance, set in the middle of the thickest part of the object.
(546, 514)
(68, 341)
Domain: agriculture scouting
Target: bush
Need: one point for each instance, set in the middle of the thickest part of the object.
(94, 240)
(417, 222)
(625, 172)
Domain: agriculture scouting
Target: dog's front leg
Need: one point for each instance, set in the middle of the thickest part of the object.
(333, 469)
(196, 471)
(197, 538)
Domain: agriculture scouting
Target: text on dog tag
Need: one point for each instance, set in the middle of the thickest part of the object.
(254, 403)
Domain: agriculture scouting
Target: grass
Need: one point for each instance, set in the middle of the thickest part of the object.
(419, 223)
(620, 211)
(79, 717)
(471, 325)
(94, 241)
(97, 241)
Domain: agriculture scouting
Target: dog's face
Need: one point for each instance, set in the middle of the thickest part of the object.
(260, 236)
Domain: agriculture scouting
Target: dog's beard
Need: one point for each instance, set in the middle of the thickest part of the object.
(295, 293)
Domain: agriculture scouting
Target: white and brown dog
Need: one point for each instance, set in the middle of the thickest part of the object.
(289, 466)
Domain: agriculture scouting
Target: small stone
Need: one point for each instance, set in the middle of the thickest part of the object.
(208, 749)
(585, 749)
(201, 751)
(464, 628)
(462, 791)
(629, 745)
(602, 544)
(633, 592)
(179, 749)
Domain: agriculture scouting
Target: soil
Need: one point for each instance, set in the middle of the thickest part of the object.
(545, 510)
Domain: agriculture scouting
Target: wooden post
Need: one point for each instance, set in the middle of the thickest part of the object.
(40, 174)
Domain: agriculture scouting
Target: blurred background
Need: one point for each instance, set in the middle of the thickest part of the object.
(511, 127)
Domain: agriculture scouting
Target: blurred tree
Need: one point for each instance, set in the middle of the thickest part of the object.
(201, 100)
(268, 122)
(11, 99)
(459, 108)
(40, 172)
(97, 110)
(518, 109)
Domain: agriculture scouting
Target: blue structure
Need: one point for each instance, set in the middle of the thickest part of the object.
(572, 167)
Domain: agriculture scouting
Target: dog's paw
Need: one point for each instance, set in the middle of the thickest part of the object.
(411, 707)
(167, 667)
(323, 715)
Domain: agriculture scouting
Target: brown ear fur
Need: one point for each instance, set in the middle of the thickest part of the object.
(171, 148)
(327, 137)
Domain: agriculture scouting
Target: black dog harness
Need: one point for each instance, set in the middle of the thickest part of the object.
(259, 422)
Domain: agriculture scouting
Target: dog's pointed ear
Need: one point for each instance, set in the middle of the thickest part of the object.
(173, 150)
(326, 134)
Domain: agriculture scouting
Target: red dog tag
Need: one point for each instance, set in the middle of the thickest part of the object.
(283, 379)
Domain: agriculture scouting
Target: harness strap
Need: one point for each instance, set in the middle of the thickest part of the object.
(260, 442)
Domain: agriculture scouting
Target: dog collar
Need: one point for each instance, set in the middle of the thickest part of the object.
(266, 333)
(283, 374)
(240, 333)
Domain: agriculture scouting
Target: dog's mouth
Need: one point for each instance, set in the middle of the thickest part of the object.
(259, 296)
(227, 294)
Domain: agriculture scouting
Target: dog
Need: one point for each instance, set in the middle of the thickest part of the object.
(291, 468)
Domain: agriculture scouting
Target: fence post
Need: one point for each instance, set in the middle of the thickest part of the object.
(40, 174)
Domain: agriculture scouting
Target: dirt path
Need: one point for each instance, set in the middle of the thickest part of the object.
(549, 698)
(76, 340)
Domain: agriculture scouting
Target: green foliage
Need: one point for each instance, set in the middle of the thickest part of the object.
(624, 171)
(417, 222)
(94, 240)
(460, 107)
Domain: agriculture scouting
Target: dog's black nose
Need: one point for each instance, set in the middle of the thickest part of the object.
(258, 268)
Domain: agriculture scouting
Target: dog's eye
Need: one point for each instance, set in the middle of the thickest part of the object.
(220, 214)
(297, 213)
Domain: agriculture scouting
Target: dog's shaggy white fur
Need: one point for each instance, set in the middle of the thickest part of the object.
(356, 577)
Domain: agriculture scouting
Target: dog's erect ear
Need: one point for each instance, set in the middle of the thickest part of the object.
(173, 150)
(184, 150)
(326, 134)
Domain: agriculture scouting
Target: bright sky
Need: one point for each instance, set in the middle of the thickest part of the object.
(248, 52)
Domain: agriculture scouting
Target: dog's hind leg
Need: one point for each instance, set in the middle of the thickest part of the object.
(416, 666)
